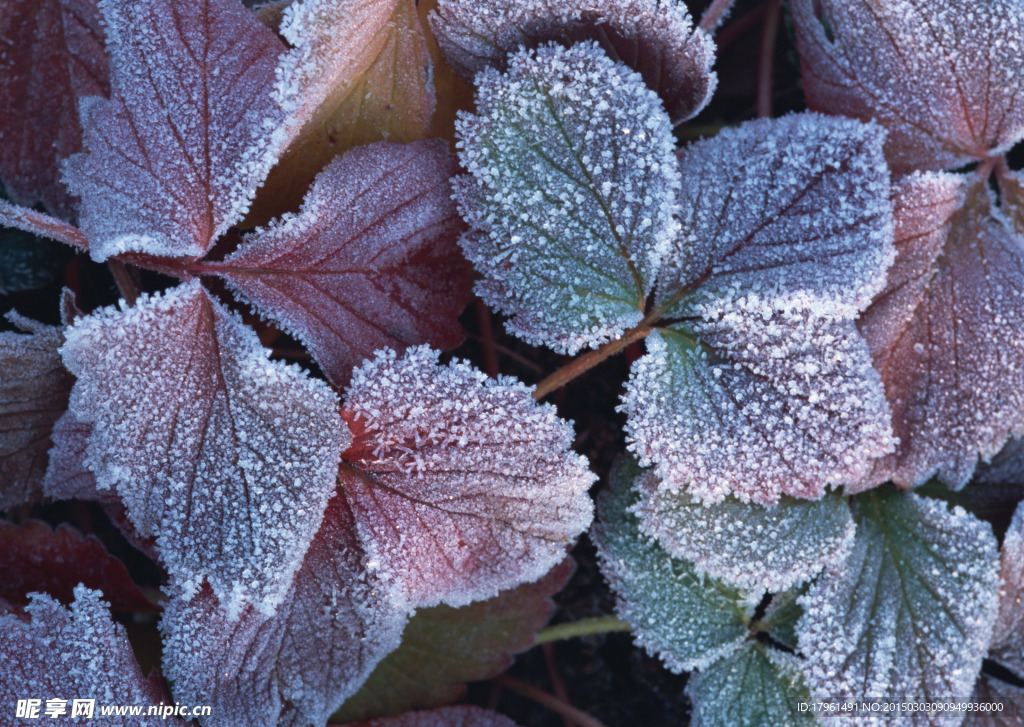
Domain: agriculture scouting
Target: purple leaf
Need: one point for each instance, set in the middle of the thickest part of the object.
(53, 57)
(192, 127)
(297, 666)
(657, 39)
(1007, 645)
(461, 716)
(370, 262)
(226, 457)
(74, 653)
(943, 76)
(67, 475)
(461, 486)
(33, 393)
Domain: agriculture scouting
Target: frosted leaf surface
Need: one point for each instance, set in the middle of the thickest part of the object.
(370, 262)
(226, 457)
(755, 686)
(909, 615)
(773, 401)
(570, 194)
(34, 391)
(989, 690)
(687, 619)
(776, 206)
(1007, 645)
(942, 75)
(782, 614)
(461, 485)
(67, 475)
(297, 666)
(37, 223)
(53, 57)
(946, 333)
(460, 716)
(750, 546)
(465, 644)
(73, 653)
(654, 37)
(174, 157)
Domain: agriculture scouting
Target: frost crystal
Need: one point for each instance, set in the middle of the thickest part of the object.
(687, 619)
(909, 615)
(226, 457)
(746, 545)
(76, 653)
(654, 37)
(461, 485)
(756, 685)
(174, 157)
(33, 393)
(947, 333)
(570, 194)
(1008, 638)
(296, 667)
(370, 262)
(943, 76)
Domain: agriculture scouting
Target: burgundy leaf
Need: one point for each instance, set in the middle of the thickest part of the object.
(370, 262)
(35, 558)
(1007, 645)
(942, 75)
(466, 644)
(461, 486)
(74, 653)
(33, 393)
(53, 56)
(461, 716)
(655, 38)
(297, 666)
(945, 332)
(226, 457)
(67, 475)
(191, 129)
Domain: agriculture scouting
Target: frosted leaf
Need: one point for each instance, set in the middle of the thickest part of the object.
(461, 485)
(687, 619)
(460, 716)
(772, 401)
(781, 616)
(34, 557)
(33, 394)
(1007, 645)
(53, 57)
(989, 690)
(654, 37)
(174, 157)
(226, 457)
(471, 643)
(749, 546)
(945, 333)
(755, 686)
(296, 667)
(37, 223)
(942, 76)
(67, 475)
(74, 653)
(370, 262)
(908, 616)
(570, 194)
(775, 206)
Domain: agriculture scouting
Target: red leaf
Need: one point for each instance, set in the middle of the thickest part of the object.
(371, 262)
(461, 716)
(461, 486)
(74, 653)
(33, 393)
(944, 333)
(35, 558)
(299, 665)
(191, 129)
(53, 57)
(943, 76)
(226, 457)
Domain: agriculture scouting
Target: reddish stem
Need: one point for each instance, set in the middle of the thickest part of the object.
(483, 320)
(557, 683)
(124, 281)
(589, 360)
(766, 66)
(541, 697)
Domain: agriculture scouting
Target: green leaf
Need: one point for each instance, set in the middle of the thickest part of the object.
(687, 619)
(444, 647)
(748, 545)
(781, 616)
(909, 615)
(27, 262)
(756, 686)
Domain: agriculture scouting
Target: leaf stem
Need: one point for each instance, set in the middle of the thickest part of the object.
(583, 627)
(715, 13)
(766, 64)
(123, 279)
(577, 716)
(589, 360)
